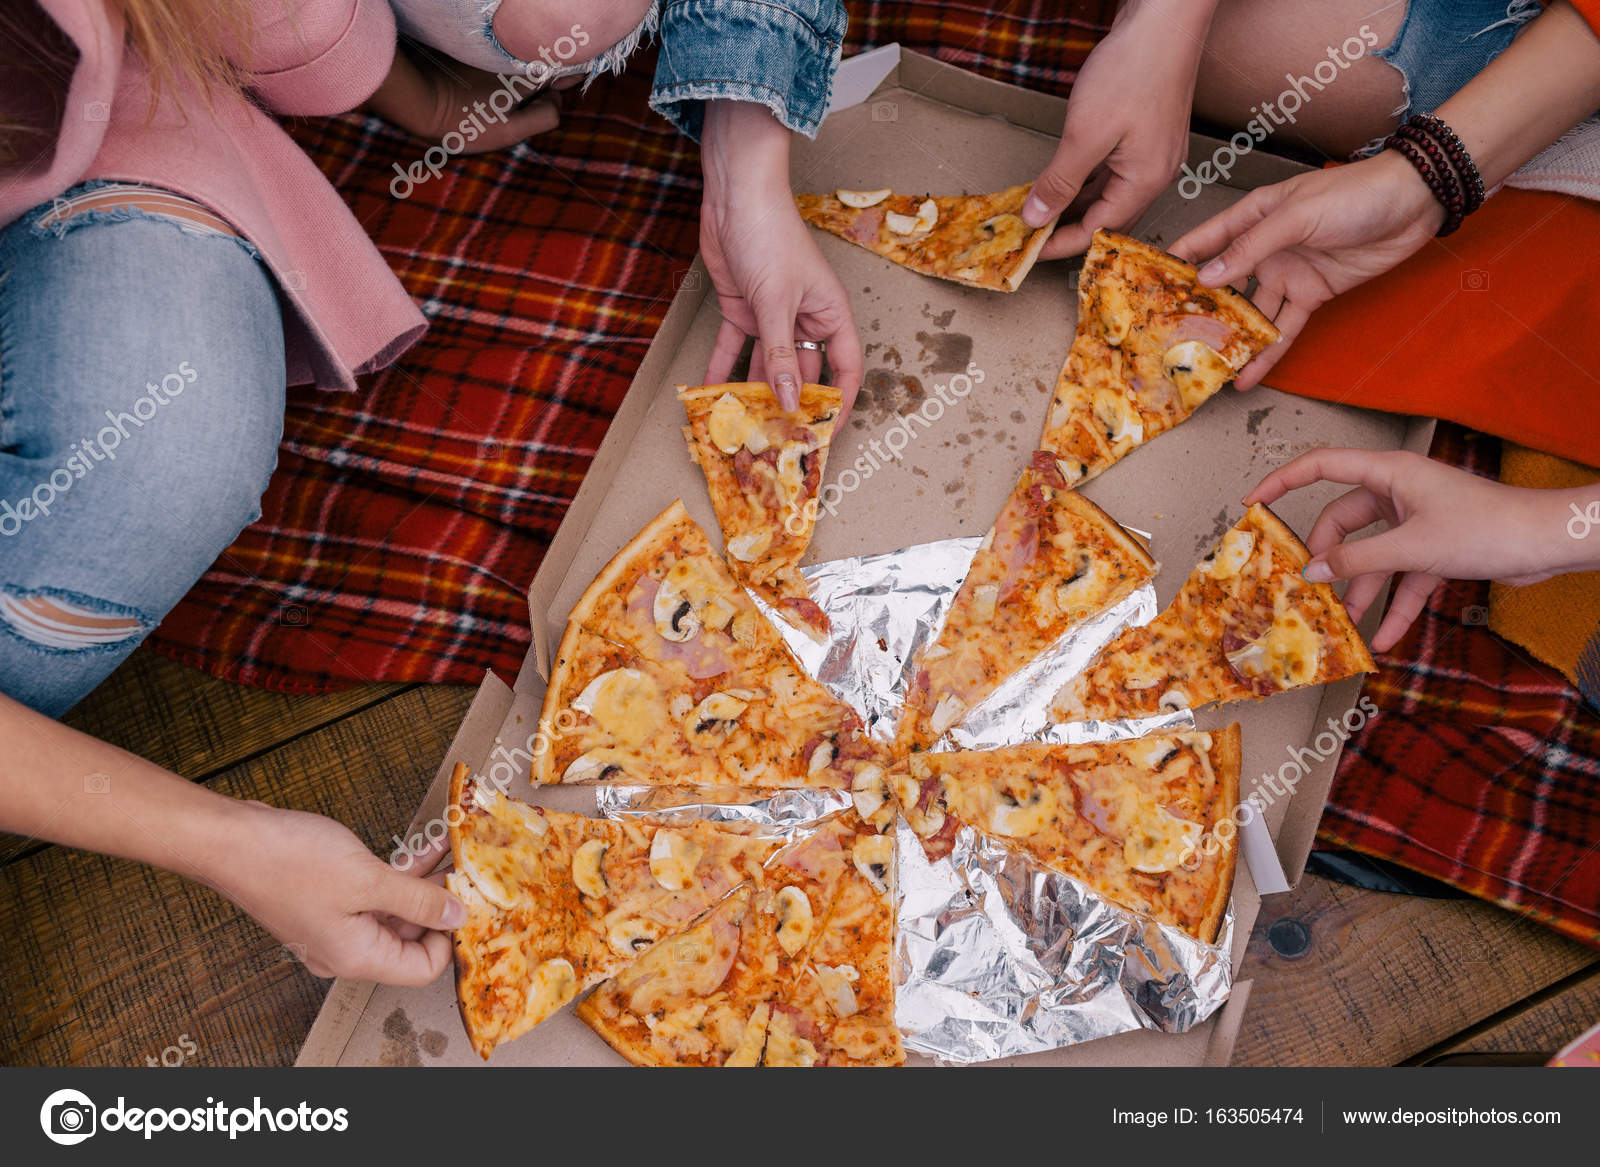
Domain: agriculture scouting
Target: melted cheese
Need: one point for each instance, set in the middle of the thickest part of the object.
(754, 1038)
(673, 858)
(625, 703)
(500, 846)
(1007, 233)
(730, 425)
(1153, 840)
(553, 984)
(1116, 314)
(785, 1047)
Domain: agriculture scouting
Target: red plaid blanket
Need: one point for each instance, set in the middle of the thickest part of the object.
(405, 522)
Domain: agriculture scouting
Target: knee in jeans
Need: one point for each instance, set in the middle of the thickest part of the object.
(564, 34)
(53, 620)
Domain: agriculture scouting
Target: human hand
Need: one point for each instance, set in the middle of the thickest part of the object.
(1312, 237)
(771, 280)
(1127, 126)
(341, 910)
(1444, 523)
(433, 100)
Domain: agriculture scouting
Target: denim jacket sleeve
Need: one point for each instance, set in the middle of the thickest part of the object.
(781, 53)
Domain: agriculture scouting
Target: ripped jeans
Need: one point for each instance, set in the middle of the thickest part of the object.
(141, 403)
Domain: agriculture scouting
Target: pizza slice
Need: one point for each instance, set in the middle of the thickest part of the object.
(1151, 346)
(1051, 561)
(559, 902)
(1134, 820)
(978, 240)
(1246, 624)
(840, 1010)
(668, 674)
(719, 994)
(763, 468)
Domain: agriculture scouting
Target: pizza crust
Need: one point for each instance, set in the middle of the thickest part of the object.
(1227, 758)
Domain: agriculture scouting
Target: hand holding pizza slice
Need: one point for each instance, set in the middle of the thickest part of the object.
(977, 240)
(763, 468)
(1152, 345)
(1245, 625)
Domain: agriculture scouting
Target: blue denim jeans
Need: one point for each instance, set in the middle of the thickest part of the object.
(141, 403)
(779, 53)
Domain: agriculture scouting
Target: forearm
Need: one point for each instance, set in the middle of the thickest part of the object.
(1565, 525)
(63, 786)
(1543, 85)
(1189, 20)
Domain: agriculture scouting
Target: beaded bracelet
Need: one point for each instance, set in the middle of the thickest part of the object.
(1442, 160)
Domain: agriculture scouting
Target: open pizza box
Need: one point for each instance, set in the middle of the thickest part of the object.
(910, 122)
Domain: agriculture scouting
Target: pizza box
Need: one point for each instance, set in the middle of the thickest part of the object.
(911, 122)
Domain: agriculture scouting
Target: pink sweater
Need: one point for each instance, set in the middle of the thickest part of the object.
(349, 312)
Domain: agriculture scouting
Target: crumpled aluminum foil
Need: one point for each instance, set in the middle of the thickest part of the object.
(997, 954)
(783, 811)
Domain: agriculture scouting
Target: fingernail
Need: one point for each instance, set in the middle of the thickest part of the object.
(1317, 571)
(1034, 212)
(788, 391)
(1212, 272)
(455, 913)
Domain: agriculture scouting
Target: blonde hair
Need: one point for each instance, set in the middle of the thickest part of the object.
(181, 43)
(189, 42)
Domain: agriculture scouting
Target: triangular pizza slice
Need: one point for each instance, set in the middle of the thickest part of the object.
(1246, 624)
(669, 674)
(763, 468)
(1134, 820)
(1152, 344)
(1051, 561)
(978, 240)
(559, 902)
(717, 996)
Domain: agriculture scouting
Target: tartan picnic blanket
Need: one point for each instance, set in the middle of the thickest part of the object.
(405, 521)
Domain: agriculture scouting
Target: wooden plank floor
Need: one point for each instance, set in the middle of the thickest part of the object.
(110, 963)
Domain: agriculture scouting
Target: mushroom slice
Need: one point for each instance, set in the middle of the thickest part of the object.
(838, 990)
(794, 919)
(630, 935)
(919, 224)
(749, 547)
(713, 717)
(588, 870)
(1230, 555)
(1119, 420)
(1017, 817)
(673, 857)
(869, 790)
(874, 858)
(1173, 700)
(945, 714)
(985, 599)
(675, 617)
(862, 199)
(821, 758)
(1196, 369)
(597, 765)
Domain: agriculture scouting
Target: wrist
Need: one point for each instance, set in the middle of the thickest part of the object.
(743, 150)
(1572, 518)
(1406, 190)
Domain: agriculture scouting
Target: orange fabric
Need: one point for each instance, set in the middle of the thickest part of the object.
(1590, 11)
(1495, 327)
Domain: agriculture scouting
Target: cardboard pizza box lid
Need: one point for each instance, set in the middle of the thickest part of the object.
(911, 122)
